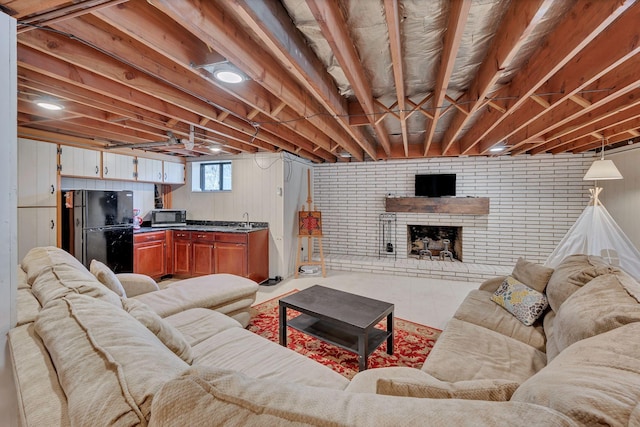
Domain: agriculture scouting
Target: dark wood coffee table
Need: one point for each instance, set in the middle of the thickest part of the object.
(340, 318)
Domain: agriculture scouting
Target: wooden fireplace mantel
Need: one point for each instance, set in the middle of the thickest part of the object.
(444, 205)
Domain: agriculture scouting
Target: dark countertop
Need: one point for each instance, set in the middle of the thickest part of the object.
(219, 226)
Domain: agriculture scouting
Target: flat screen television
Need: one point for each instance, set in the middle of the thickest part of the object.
(436, 185)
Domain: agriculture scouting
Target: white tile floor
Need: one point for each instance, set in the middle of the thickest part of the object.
(430, 302)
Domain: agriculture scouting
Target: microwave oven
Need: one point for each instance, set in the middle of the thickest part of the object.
(168, 218)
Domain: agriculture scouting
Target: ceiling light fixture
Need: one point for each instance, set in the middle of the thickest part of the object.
(602, 169)
(224, 72)
(497, 149)
(49, 105)
(215, 149)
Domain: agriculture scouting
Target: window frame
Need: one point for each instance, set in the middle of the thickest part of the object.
(220, 164)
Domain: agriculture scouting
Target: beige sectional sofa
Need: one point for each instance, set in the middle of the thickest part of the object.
(90, 357)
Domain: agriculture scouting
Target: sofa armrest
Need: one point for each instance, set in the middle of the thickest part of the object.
(492, 285)
(136, 284)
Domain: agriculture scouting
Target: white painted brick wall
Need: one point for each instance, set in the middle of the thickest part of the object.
(534, 200)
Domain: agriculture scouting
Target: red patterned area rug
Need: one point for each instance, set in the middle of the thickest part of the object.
(412, 342)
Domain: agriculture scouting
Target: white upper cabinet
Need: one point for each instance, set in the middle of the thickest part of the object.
(37, 165)
(173, 173)
(118, 166)
(36, 227)
(79, 162)
(149, 170)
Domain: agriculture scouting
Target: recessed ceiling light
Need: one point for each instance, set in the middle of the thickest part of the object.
(228, 76)
(49, 105)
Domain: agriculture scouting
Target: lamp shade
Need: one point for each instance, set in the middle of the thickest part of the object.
(602, 170)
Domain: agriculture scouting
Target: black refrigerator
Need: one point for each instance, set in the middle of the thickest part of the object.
(99, 225)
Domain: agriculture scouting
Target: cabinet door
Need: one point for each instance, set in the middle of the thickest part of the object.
(149, 170)
(149, 258)
(36, 227)
(79, 162)
(231, 258)
(37, 167)
(173, 173)
(118, 166)
(182, 253)
(203, 258)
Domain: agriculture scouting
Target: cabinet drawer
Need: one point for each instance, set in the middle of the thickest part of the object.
(148, 237)
(231, 237)
(182, 235)
(202, 236)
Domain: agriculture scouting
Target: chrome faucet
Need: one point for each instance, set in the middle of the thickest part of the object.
(247, 224)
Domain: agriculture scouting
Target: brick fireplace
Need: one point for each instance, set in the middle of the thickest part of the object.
(416, 235)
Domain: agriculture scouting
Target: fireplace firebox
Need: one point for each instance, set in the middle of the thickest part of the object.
(434, 236)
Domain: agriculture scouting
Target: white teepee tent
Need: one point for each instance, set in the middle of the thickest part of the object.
(596, 233)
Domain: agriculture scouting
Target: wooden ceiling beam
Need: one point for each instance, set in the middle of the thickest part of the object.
(333, 26)
(392, 16)
(594, 62)
(625, 79)
(147, 25)
(458, 15)
(582, 24)
(216, 28)
(25, 8)
(591, 126)
(29, 59)
(517, 25)
(273, 26)
(606, 133)
(64, 13)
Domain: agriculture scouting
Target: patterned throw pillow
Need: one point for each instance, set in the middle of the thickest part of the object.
(524, 303)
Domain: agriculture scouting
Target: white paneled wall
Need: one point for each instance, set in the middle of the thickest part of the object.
(622, 197)
(534, 200)
(8, 213)
(257, 184)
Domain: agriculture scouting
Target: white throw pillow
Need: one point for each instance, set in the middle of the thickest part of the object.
(107, 277)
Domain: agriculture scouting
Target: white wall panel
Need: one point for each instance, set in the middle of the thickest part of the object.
(622, 197)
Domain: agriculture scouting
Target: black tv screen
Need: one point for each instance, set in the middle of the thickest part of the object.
(436, 185)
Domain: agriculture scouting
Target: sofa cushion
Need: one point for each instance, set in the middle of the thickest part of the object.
(549, 331)
(41, 399)
(465, 351)
(533, 275)
(28, 306)
(198, 324)
(106, 277)
(61, 279)
(240, 350)
(595, 381)
(40, 259)
(425, 386)
(108, 364)
(210, 291)
(136, 284)
(477, 308)
(231, 398)
(599, 306)
(525, 303)
(571, 274)
(169, 335)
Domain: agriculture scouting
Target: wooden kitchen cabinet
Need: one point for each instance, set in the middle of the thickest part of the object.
(182, 256)
(203, 253)
(150, 254)
(198, 253)
(231, 253)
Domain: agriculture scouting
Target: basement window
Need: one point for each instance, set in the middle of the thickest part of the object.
(211, 176)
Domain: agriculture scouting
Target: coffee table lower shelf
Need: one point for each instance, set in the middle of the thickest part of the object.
(332, 334)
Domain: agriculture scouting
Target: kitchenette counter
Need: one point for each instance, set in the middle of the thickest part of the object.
(222, 227)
